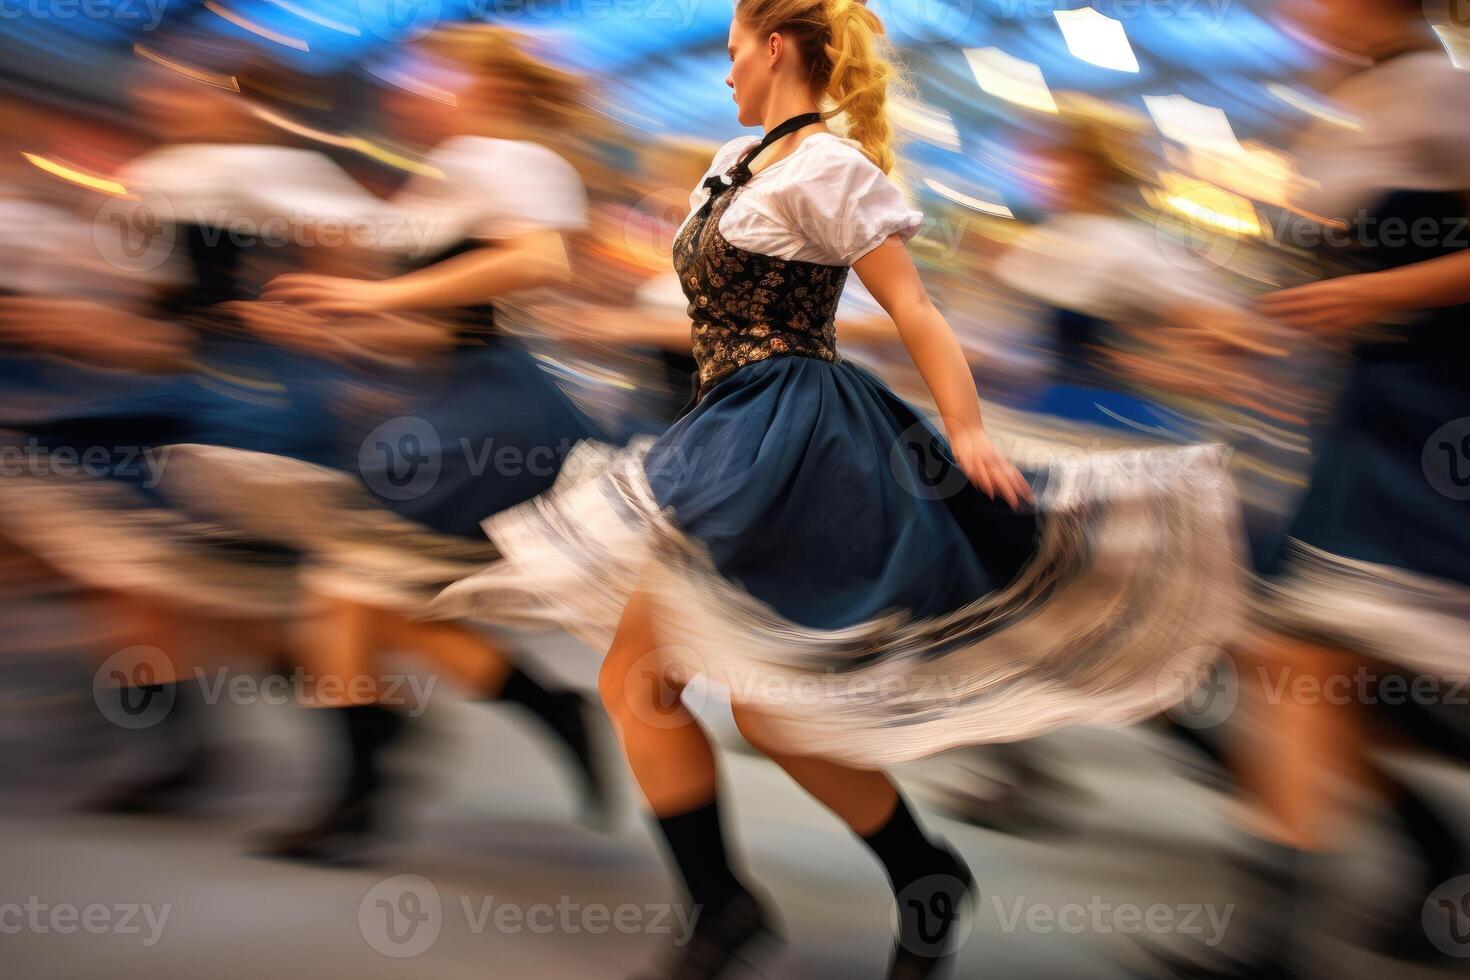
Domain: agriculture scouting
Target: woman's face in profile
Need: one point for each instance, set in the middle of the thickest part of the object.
(750, 76)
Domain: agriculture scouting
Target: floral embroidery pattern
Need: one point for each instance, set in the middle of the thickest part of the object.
(748, 307)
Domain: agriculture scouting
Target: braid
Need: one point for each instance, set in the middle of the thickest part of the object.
(859, 78)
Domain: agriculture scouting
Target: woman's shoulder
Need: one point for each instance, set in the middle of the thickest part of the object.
(727, 154)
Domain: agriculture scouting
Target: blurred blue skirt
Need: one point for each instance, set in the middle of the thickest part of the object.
(468, 435)
(1377, 557)
(821, 492)
(483, 430)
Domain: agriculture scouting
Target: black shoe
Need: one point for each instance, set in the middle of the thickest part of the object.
(348, 836)
(930, 911)
(721, 941)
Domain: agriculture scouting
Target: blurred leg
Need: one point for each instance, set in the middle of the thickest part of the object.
(669, 753)
(672, 760)
(929, 879)
(477, 663)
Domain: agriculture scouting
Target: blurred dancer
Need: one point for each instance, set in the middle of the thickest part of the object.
(385, 535)
(1375, 569)
(1098, 269)
(192, 593)
(802, 534)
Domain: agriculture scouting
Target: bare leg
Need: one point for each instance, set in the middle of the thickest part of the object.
(669, 753)
(864, 799)
(1307, 740)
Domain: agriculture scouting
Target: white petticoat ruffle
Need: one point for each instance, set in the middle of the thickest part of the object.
(353, 546)
(1136, 587)
(102, 534)
(1394, 615)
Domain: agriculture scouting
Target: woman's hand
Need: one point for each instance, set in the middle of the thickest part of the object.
(330, 295)
(986, 467)
(1333, 305)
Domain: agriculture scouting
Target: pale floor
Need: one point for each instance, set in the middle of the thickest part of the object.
(491, 829)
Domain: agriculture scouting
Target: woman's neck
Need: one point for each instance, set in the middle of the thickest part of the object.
(778, 111)
(784, 105)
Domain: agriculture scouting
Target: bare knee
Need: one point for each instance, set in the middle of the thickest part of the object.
(755, 728)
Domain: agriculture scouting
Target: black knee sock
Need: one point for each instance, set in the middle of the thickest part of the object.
(1278, 921)
(697, 845)
(906, 851)
(172, 725)
(929, 882)
(559, 711)
(521, 688)
(370, 728)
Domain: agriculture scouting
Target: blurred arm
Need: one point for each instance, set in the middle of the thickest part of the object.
(532, 260)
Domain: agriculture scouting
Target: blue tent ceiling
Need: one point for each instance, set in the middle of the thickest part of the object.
(664, 63)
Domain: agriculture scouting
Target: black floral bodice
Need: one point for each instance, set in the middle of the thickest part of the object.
(748, 307)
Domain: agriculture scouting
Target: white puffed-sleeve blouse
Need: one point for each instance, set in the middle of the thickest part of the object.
(825, 202)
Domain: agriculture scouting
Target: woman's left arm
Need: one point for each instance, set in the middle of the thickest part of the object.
(888, 272)
(1369, 298)
(535, 259)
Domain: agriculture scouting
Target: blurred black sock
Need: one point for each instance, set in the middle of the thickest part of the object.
(697, 844)
(1441, 857)
(906, 851)
(564, 713)
(370, 728)
(521, 688)
(171, 737)
(929, 881)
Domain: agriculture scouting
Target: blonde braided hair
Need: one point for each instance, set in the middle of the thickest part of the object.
(848, 61)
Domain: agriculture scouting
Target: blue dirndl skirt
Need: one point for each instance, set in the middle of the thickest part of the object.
(807, 542)
(775, 472)
(1377, 556)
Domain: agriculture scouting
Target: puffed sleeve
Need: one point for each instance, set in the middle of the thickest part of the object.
(540, 191)
(1437, 121)
(838, 201)
(511, 188)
